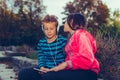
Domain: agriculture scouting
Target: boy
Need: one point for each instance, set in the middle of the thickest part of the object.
(50, 50)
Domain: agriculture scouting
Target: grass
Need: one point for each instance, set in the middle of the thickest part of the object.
(33, 55)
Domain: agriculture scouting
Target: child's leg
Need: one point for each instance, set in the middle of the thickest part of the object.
(29, 74)
(70, 75)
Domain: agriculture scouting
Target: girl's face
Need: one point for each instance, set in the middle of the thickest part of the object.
(66, 27)
(50, 30)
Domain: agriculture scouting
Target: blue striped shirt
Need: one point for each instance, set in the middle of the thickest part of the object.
(51, 54)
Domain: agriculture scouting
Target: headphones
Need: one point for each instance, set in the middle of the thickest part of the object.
(57, 28)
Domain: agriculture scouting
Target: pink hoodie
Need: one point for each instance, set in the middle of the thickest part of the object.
(80, 52)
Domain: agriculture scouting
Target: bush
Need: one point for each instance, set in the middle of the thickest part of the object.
(108, 54)
(33, 55)
(24, 48)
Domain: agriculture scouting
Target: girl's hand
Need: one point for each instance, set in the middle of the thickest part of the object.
(59, 67)
(56, 68)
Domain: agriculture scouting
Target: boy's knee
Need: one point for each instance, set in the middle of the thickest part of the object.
(48, 76)
(22, 74)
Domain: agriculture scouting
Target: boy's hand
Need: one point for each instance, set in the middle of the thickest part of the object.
(45, 69)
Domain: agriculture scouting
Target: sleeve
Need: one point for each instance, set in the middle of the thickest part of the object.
(84, 58)
(41, 56)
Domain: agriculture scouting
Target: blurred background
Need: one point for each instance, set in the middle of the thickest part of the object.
(20, 31)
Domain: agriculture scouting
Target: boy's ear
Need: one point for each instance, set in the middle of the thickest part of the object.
(42, 26)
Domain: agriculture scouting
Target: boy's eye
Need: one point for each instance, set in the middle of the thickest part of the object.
(51, 28)
(48, 29)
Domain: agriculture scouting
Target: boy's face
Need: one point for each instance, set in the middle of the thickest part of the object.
(50, 29)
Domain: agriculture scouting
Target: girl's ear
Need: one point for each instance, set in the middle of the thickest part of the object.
(71, 23)
(77, 27)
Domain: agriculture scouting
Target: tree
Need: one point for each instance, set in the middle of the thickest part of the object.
(4, 24)
(30, 13)
(22, 23)
(114, 20)
(95, 11)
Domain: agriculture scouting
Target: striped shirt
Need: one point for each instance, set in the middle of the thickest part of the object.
(51, 54)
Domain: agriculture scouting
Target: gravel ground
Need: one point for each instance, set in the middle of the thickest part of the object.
(7, 72)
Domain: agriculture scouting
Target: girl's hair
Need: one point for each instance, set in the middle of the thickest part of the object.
(76, 21)
(50, 18)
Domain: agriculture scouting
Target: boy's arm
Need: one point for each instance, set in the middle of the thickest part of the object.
(40, 55)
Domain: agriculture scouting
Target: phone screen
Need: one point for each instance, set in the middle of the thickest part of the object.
(38, 70)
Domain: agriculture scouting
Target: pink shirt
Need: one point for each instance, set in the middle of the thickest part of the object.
(80, 52)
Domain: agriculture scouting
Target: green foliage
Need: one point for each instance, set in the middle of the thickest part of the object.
(33, 55)
(115, 19)
(108, 52)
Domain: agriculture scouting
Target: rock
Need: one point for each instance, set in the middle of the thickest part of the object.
(12, 53)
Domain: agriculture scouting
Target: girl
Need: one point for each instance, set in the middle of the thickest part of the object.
(80, 62)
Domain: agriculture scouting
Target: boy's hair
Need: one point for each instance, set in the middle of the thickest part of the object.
(50, 18)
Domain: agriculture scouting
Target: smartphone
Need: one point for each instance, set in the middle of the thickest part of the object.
(38, 70)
